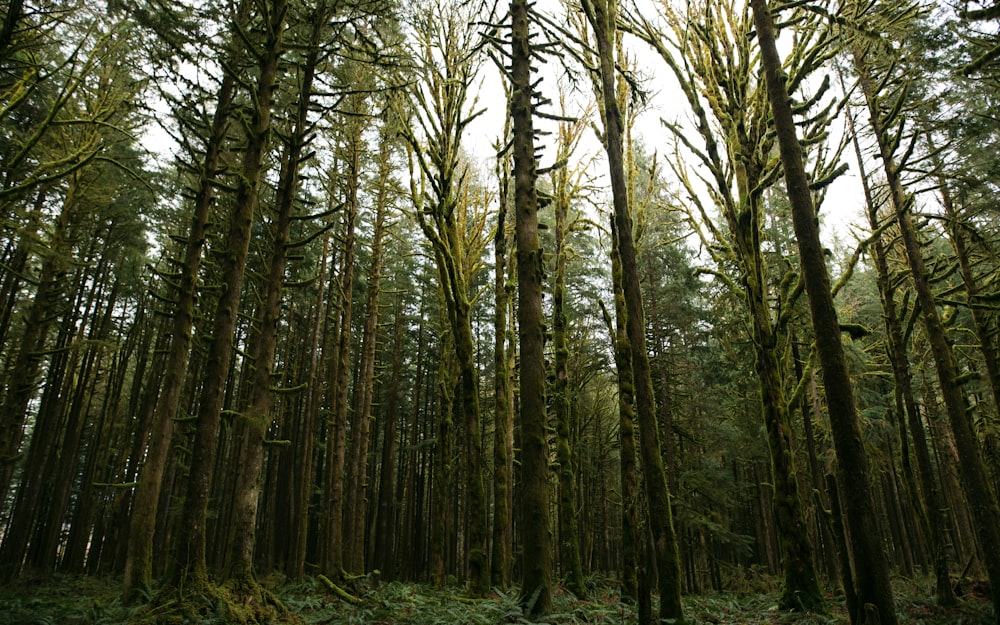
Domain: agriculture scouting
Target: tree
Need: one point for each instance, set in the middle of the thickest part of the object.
(716, 62)
(603, 18)
(567, 186)
(191, 573)
(139, 560)
(874, 591)
(536, 581)
(447, 214)
(975, 479)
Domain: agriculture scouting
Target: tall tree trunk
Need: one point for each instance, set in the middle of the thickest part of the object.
(22, 387)
(975, 479)
(332, 523)
(22, 376)
(958, 236)
(569, 535)
(633, 544)
(357, 471)
(872, 569)
(191, 560)
(502, 556)
(138, 576)
(602, 15)
(385, 523)
(257, 417)
(934, 514)
(536, 581)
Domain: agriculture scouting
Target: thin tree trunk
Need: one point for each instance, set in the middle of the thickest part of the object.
(602, 15)
(502, 557)
(357, 471)
(632, 542)
(569, 536)
(934, 514)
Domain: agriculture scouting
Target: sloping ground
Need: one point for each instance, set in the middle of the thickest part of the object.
(90, 601)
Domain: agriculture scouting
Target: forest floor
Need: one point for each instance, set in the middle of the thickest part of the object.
(95, 601)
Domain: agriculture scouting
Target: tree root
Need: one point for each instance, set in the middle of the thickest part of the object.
(237, 602)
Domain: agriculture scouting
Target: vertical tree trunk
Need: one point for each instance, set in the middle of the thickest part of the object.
(569, 535)
(632, 542)
(385, 524)
(357, 470)
(332, 557)
(536, 581)
(256, 418)
(602, 15)
(138, 575)
(502, 557)
(191, 560)
(872, 570)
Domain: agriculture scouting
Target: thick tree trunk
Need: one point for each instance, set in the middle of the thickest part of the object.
(536, 582)
(872, 569)
(257, 416)
(602, 15)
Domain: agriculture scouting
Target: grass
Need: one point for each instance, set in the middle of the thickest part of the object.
(67, 600)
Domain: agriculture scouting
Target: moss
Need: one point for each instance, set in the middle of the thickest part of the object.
(237, 602)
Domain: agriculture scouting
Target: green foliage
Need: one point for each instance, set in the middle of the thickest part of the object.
(95, 601)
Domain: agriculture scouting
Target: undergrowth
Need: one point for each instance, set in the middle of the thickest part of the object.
(66, 600)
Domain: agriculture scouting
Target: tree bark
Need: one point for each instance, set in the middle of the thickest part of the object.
(502, 556)
(138, 576)
(191, 561)
(934, 513)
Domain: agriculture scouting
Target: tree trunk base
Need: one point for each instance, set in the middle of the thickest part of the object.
(240, 602)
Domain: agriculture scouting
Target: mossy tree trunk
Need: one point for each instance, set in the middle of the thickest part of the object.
(451, 213)
(871, 566)
(536, 579)
(976, 483)
(191, 568)
(633, 543)
(975, 478)
(566, 186)
(142, 524)
(602, 15)
(933, 513)
(713, 79)
(502, 556)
